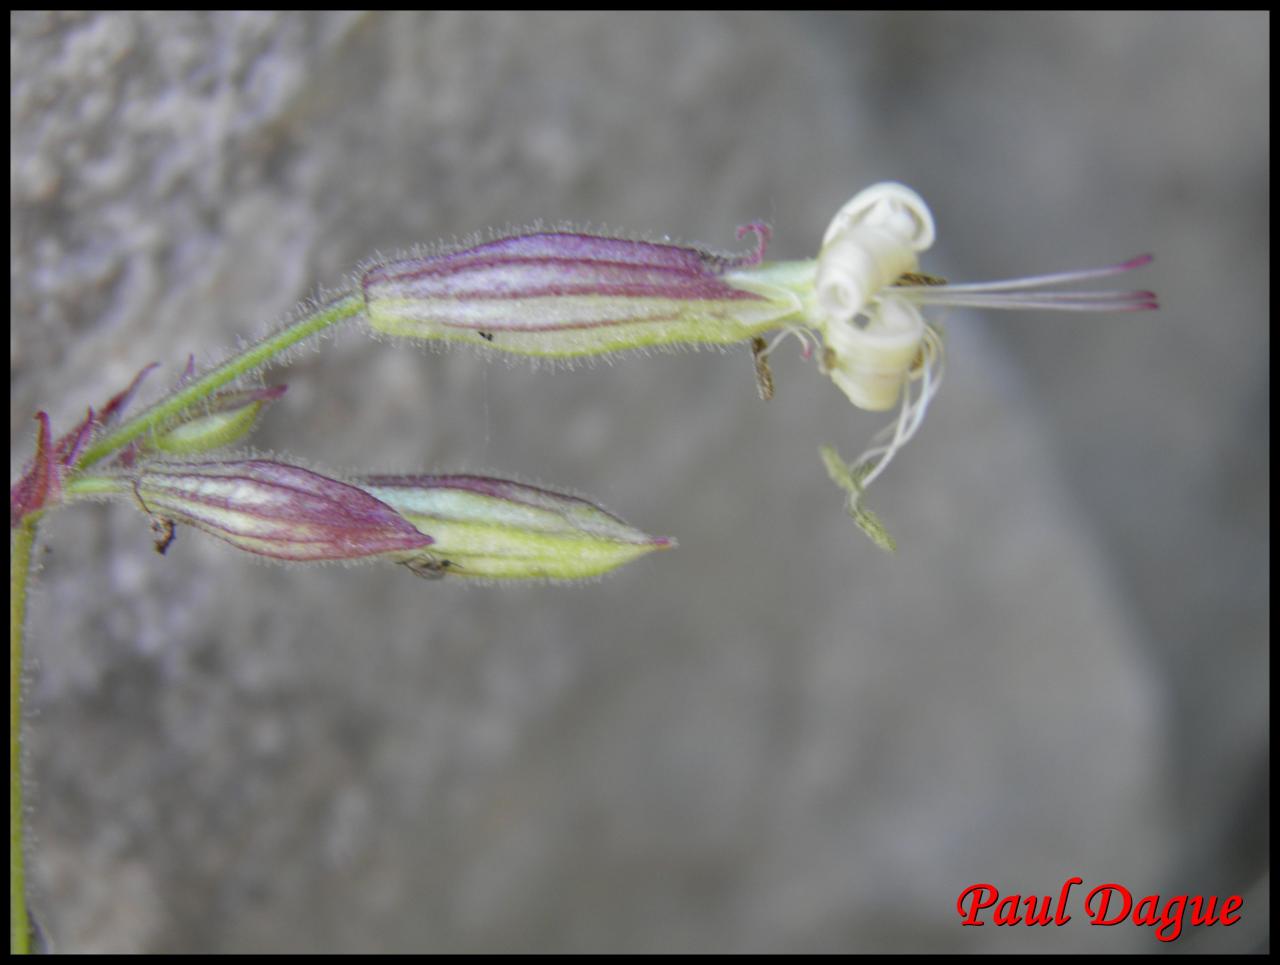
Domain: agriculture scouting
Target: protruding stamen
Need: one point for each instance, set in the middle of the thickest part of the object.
(1035, 294)
(764, 375)
(1136, 301)
(1058, 278)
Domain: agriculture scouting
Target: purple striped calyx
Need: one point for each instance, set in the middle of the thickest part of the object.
(565, 294)
(274, 509)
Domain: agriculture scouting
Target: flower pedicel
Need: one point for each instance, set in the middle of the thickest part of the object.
(566, 294)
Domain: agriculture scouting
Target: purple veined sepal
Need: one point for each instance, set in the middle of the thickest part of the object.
(271, 509)
(568, 294)
(41, 483)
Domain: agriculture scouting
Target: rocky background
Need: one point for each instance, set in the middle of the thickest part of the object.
(776, 737)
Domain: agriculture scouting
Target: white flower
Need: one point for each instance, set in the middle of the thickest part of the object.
(863, 298)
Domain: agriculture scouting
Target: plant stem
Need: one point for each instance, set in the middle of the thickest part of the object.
(22, 537)
(253, 357)
(20, 542)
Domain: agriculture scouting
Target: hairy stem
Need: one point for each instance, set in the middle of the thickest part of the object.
(255, 356)
(20, 541)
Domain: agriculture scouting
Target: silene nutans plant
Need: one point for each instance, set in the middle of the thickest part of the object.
(857, 309)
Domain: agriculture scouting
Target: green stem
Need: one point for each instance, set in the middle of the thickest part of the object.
(251, 358)
(20, 542)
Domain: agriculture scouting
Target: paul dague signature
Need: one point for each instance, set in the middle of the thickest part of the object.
(1106, 904)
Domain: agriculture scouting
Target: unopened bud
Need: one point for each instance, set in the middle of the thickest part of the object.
(497, 529)
(225, 418)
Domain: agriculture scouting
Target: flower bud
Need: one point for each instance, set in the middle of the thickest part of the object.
(497, 529)
(225, 418)
(274, 509)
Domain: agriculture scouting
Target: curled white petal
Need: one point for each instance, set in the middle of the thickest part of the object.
(871, 242)
(870, 363)
(855, 268)
(888, 205)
